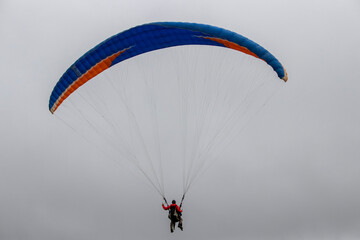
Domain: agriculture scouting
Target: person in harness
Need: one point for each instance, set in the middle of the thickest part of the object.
(174, 215)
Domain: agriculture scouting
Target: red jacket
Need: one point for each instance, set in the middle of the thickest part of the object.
(172, 205)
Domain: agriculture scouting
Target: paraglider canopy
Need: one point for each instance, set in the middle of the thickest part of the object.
(149, 37)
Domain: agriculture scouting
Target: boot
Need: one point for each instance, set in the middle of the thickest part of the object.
(172, 226)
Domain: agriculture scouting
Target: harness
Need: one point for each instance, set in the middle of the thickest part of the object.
(174, 215)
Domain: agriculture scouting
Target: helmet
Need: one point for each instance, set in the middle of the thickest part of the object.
(173, 201)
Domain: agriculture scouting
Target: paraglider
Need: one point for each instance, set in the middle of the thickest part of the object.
(186, 106)
(175, 214)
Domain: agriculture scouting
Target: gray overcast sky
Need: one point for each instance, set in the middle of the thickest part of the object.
(301, 175)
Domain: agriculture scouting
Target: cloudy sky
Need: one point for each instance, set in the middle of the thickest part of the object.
(293, 174)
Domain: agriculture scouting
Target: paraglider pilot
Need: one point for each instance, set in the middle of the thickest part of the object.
(174, 215)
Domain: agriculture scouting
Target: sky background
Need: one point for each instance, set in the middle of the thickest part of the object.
(293, 174)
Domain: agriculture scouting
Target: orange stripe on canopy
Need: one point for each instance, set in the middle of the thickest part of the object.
(232, 45)
(92, 72)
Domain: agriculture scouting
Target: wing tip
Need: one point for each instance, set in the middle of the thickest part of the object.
(285, 77)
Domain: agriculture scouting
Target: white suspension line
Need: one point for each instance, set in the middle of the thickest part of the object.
(135, 124)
